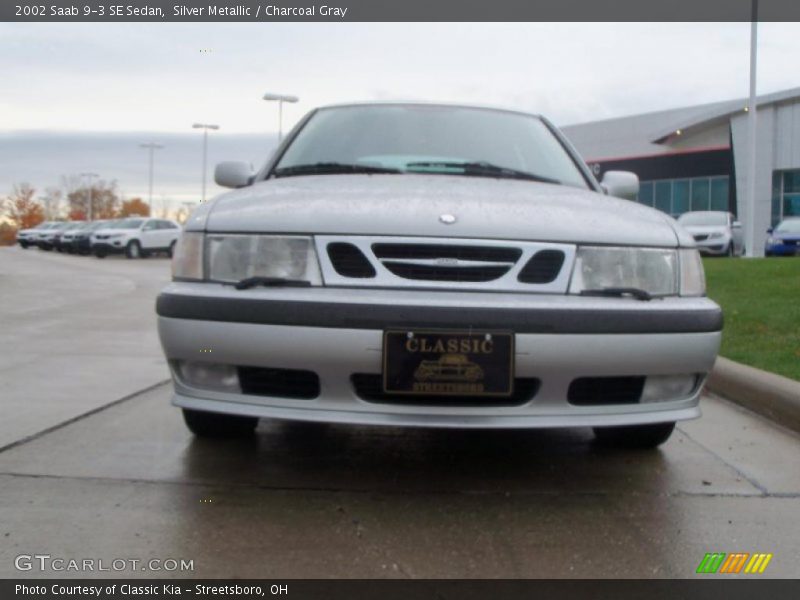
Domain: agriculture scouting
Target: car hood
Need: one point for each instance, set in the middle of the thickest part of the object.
(411, 204)
(785, 236)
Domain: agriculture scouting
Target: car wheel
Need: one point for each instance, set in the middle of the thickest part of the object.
(23, 245)
(217, 425)
(171, 249)
(731, 250)
(634, 436)
(133, 249)
(100, 254)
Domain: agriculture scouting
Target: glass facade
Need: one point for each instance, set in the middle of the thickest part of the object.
(677, 196)
(785, 195)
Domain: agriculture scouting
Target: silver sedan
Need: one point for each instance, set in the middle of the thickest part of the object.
(435, 266)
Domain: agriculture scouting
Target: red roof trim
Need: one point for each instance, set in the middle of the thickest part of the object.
(676, 152)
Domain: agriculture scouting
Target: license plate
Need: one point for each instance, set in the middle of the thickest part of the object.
(448, 363)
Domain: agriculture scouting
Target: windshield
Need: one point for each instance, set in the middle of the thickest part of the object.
(127, 224)
(429, 139)
(708, 219)
(788, 226)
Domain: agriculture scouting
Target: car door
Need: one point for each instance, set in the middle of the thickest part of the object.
(171, 232)
(150, 235)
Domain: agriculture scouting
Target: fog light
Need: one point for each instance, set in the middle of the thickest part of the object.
(209, 376)
(661, 388)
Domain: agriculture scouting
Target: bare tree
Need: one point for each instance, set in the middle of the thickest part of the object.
(51, 202)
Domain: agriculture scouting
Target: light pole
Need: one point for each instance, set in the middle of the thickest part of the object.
(205, 127)
(151, 148)
(753, 249)
(280, 99)
(89, 176)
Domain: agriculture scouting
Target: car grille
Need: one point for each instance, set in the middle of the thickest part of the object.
(543, 267)
(598, 391)
(369, 387)
(285, 383)
(444, 263)
(701, 237)
(349, 261)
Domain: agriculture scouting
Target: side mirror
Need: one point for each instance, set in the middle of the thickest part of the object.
(233, 174)
(737, 224)
(622, 184)
(769, 230)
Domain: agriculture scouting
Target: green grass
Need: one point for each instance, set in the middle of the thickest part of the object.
(760, 298)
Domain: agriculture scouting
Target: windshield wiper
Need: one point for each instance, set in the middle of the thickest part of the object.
(250, 282)
(485, 169)
(619, 292)
(331, 168)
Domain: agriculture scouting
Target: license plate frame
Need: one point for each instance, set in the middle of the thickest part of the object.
(448, 362)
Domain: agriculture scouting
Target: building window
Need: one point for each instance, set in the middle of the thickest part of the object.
(677, 196)
(785, 195)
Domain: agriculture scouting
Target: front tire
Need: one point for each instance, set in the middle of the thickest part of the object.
(133, 249)
(100, 254)
(634, 436)
(171, 249)
(23, 245)
(731, 250)
(217, 425)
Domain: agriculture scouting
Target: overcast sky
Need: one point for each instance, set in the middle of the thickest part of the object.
(154, 77)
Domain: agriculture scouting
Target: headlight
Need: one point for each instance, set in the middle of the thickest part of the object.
(187, 257)
(771, 241)
(653, 270)
(693, 278)
(716, 234)
(111, 236)
(237, 257)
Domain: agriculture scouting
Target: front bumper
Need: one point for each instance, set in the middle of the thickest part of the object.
(782, 249)
(713, 246)
(109, 247)
(337, 333)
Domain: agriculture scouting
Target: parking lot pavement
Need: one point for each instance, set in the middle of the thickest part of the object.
(128, 481)
(75, 333)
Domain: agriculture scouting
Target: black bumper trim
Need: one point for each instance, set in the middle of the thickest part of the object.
(380, 316)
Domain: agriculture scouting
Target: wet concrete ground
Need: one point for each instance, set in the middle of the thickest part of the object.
(129, 481)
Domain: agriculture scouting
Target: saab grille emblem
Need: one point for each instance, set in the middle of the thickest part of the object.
(447, 219)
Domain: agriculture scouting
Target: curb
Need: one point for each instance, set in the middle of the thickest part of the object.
(768, 394)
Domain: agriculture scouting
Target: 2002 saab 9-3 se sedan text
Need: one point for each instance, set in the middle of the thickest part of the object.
(436, 266)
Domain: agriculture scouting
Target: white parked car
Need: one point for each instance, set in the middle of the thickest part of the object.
(29, 237)
(136, 237)
(714, 232)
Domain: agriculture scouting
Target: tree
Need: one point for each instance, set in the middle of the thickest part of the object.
(21, 209)
(51, 201)
(104, 198)
(134, 207)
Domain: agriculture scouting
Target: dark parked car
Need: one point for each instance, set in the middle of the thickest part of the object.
(58, 240)
(80, 239)
(784, 240)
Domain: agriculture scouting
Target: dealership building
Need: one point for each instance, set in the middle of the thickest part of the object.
(694, 158)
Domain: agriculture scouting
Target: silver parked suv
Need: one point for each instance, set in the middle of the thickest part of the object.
(435, 266)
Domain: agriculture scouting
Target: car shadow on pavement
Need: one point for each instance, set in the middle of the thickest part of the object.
(334, 457)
